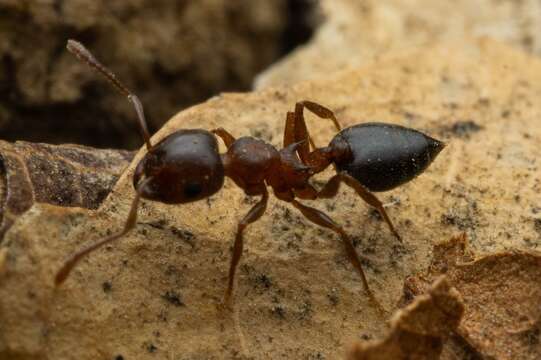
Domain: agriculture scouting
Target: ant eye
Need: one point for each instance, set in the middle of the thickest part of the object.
(192, 190)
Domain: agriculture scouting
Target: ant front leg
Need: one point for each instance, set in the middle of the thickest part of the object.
(331, 189)
(69, 264)
(253, 215)
(227, 138)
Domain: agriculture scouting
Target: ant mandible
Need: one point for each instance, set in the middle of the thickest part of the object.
(186, 166)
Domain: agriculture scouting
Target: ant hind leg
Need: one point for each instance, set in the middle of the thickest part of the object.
(368, 197)
(322, 219)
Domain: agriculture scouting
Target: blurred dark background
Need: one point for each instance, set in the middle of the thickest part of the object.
(173, 54)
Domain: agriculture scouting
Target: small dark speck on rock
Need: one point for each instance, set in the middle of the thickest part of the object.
(408, 115)
(184, 235)
(279, 311)
(173, 298)
(305, 310)
(119, 357)
(151, 348)
(408, 295)
(333, 297)
(395, 201)
(316, 356)
(374, 214)
(106, 286)
(463, 129)
(159, 224)
(462, 219)
(537, 225)
(531, 336)
(264, 280)
(484, 101)
(366, 336)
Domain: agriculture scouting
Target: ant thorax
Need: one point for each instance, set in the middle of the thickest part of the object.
(250, 162)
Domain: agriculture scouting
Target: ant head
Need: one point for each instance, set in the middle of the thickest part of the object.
(183, 167)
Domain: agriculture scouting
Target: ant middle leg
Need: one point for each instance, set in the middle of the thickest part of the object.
(331, 189)
(253, 215)
(322, 219)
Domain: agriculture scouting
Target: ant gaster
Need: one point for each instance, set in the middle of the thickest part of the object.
(186, 166)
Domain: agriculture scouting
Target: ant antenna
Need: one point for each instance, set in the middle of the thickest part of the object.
(83, 54)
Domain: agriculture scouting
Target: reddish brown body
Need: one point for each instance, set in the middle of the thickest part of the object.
(186, 166)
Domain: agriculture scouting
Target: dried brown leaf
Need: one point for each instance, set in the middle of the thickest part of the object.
(419, 330)
(64, 175)
(502, 295)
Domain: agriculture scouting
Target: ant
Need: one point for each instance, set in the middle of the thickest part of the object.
(186, 166)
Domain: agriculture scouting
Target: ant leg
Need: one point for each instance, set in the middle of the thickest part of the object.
(289, 130)
(254, 214)
(83, 54)
(322, 219)
(321, 111)
(308, 192)
(330, 189)
(301, 133)
(301, 130)
(69, 264)
(227, 138)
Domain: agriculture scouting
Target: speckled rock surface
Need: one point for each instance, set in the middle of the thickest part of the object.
(356, 32)
(154, 293)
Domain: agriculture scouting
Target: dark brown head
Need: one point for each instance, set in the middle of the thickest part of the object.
(183, 167)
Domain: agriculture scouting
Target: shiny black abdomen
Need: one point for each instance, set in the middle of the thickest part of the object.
(384, 156)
